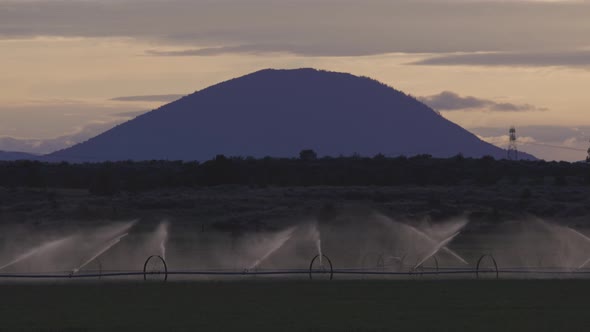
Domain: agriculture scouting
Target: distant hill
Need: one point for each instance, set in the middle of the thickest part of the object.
(7, 155)
(279, 113)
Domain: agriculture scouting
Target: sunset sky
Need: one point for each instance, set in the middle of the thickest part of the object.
(72, 69)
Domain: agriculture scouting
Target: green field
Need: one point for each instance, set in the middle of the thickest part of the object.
(460, 305)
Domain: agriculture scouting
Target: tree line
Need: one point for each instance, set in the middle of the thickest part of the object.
(108, 178)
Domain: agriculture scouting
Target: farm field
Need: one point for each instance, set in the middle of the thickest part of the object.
(426, 305)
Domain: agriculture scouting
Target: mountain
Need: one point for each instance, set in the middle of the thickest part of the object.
(279, 113)
(7, 155)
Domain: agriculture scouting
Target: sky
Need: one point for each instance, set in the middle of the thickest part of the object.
(71, 69)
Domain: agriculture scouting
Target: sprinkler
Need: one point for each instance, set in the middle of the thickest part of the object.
(391, 262)
(367, 261)
(99, 268)
(97, 271)
(252, 271)
(276, 244)
(419, 269)
(95, 256)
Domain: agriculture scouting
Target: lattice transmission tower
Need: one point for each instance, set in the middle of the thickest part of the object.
(512, 149)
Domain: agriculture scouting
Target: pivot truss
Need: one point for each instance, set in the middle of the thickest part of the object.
(320, 268)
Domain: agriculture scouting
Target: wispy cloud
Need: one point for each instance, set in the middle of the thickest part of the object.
(43, 146)
(580, 58)
(243, 49)
(130, 114)
(314, 28)
(50, 118)
(149, 98)
(451, 101)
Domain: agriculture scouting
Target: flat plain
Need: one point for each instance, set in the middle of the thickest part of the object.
(416, 305)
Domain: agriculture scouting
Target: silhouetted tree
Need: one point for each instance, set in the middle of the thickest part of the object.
(111, 178)
(379, 156)
(308, 155)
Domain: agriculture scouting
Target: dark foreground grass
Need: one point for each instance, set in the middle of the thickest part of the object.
(337, 306)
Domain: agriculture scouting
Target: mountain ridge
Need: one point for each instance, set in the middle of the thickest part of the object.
(280, 112)
(14, 155)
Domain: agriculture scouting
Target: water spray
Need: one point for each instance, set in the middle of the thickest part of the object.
(428, 238)
(162, 236)
(436, 249)
(40, 249)
(582, 236)
(315, 233)
(444, 247)
(420, 269)
(283, 237)
(104, 249)
(552, 228)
